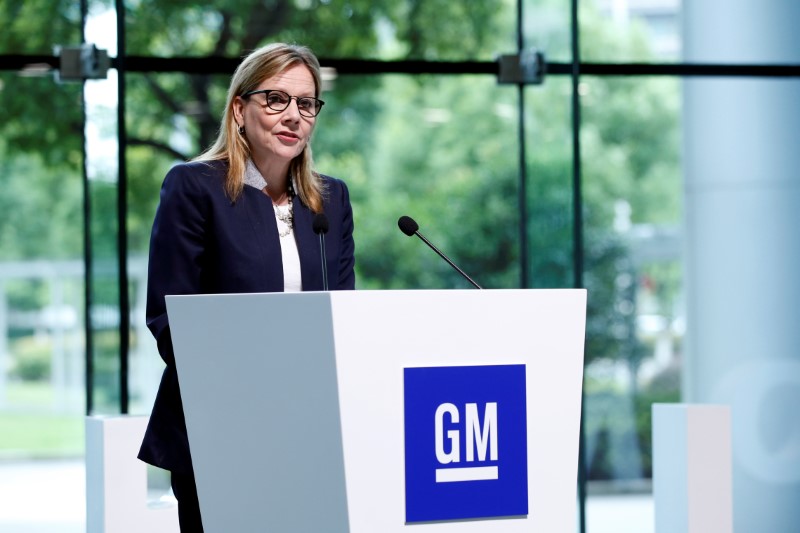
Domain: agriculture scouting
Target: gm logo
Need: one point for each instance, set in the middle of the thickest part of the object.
(465, 442)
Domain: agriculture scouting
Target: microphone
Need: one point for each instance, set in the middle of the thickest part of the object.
(320, 227)
(410, 227)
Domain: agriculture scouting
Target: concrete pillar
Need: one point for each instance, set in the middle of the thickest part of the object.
(742, 202)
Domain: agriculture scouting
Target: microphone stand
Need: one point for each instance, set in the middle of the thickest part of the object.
(435, 249)
(320, 227)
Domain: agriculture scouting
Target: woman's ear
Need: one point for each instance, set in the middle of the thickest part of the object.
(238, 110)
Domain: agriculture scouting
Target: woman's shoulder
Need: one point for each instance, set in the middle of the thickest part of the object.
(333, 185)
(199, 170)
(334, 191)
(196, 176)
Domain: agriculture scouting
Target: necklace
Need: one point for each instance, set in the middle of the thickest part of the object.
(285, 219)
(283, 213)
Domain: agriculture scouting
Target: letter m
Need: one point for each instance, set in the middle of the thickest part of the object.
(481, 437)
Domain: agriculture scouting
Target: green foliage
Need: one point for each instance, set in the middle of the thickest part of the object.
(31, 358)
(40, 206)
(614, 416)
(106, 370)
(33, 427)
(427, 170)
(41, 435)
(443, 149)
(42, 118)
(631, 147)
(26, 294)
(40, 163)
(431, 29)
(603, 39)
(439, 148)
(437, 30)
(22, 25)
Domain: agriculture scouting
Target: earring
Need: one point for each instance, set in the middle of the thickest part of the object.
(241, 130)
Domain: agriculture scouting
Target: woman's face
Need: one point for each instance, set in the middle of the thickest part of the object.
(277, 137)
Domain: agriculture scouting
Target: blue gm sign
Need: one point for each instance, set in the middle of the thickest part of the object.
(465, 442)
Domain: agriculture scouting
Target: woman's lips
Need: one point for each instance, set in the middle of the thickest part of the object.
(287, 136)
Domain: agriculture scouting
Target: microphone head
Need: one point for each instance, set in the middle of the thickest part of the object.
(320, 223)
(408, 225)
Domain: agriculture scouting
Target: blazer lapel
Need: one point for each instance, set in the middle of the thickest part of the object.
(307, 246)
(259, 211)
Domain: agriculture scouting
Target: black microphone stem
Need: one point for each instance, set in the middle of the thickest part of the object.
(320, 227)
(324, 261)
(435, 249)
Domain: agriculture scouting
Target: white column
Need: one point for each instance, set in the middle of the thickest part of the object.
(742, 202)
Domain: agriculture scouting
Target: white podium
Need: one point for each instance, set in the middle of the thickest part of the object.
(300, 408)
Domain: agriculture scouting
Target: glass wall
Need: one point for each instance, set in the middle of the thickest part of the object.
(633, 223)
(434, 148)
(375, 29)
(102, 207)
(596, 154)
(549, 172)
(631, 31)
(42, 373)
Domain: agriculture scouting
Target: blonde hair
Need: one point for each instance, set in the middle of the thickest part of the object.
(265, 62)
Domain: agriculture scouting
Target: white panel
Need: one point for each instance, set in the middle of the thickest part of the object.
(710, 469)
(692, 468)
(379, 333)
(258, 383)
(116, 481)
(670, 468)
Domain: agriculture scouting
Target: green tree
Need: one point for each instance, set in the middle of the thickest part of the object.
(442, 149)
(456, 172)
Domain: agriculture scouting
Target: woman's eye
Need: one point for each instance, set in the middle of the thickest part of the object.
(276, 99)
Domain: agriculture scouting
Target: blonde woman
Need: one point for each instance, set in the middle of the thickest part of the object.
(239, 218)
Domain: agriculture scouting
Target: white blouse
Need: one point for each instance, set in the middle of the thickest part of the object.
(292, 280)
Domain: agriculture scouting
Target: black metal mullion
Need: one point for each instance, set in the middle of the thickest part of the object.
(522, 201)
(679, 70)
(225, 65)
(23, 61)
(87, 246)
(122, 226)
(577, 234)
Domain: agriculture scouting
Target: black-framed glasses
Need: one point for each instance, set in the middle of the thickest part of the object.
(280, 100)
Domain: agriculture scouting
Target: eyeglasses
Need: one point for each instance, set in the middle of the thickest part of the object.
(279, 101)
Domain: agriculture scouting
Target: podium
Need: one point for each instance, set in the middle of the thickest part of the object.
(380, 411)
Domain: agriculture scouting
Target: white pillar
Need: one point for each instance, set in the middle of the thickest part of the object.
(742, 202)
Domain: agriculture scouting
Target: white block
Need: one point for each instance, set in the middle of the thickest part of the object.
(692, 468)
(116, 481)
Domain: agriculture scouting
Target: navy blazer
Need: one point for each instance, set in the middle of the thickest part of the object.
(204, 243)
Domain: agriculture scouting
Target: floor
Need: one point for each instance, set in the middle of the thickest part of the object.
(49, 497)
(43, 497)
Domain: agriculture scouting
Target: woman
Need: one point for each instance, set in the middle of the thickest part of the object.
(239, 219)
